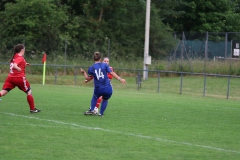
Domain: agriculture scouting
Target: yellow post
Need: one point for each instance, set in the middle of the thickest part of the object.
(44, 59)
(44, 71)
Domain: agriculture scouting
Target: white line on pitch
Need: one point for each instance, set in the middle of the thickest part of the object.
(129, 134)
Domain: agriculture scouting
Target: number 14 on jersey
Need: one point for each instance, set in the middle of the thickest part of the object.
(99, 73)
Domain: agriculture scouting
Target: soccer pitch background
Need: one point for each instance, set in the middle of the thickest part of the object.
(137, 125)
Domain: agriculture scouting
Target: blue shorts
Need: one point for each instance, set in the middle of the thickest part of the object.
(106, 93)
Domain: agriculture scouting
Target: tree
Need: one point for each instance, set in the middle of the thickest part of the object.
(37, 23)
(3, 2)
(87, 26)
(207, 15)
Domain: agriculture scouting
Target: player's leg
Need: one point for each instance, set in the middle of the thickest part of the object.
(93, 103)
(107, 95)
(7, 87)
(98, 102)
(24, 85)
(31, 103)
(97, 93)
(30, 99)
(3, 92)
(103, 107)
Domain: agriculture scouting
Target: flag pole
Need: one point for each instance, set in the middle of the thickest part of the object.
(44, 59)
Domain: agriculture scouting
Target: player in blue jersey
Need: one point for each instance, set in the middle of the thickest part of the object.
(99, 101)
(102, 85)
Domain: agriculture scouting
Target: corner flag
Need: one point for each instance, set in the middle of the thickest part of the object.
(44, 59)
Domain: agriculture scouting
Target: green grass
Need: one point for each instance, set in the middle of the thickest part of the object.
(137, 125)
(191, 85)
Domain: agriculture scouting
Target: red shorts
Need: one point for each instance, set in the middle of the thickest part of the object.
(20, 82)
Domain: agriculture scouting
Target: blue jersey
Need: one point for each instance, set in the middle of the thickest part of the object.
(99, 71)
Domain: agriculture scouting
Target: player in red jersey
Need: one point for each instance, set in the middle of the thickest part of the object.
(16, 77)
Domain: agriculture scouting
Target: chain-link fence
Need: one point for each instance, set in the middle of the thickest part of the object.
(189, 45)
(194, 84)
(206, 52)
(206, 45)
(194, 52)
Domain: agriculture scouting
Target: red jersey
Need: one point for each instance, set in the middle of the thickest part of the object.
(109, 75)
(20, 61)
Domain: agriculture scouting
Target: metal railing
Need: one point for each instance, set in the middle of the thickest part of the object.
(61, 69)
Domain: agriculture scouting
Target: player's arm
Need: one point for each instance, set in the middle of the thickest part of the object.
(15, 66)
(110, 75)
(123, 81)
(87, 78)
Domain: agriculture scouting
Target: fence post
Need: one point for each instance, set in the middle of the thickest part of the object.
(226, 38)
(228, 87)
(65, 47)
(181, 83)
(56, 73)
(206, 52)
(75, 76)
(204, 85)
(158, 81)
(138, 80)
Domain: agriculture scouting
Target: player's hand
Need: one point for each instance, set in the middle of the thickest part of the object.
(28, 64)
(82, 71)
(123, 81)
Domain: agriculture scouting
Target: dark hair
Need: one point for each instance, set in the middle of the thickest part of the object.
(96, 56)
(17, 49)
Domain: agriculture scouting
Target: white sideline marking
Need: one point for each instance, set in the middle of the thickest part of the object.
(129, 134)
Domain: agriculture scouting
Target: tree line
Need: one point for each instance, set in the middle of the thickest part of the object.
(84, 26)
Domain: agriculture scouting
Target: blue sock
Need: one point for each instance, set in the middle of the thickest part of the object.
(103, 106)
(93, 102)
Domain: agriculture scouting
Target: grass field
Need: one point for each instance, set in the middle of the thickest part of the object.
(137, 125)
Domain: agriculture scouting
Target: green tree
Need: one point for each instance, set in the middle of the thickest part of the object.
(3, 2)
(87, 25)
(207, 15)
(37, 23)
